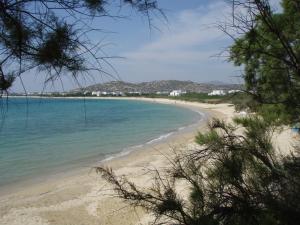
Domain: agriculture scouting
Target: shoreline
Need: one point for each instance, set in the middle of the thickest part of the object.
(65, 171)
(78, 186)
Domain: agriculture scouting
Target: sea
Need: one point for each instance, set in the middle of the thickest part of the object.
(43, 136)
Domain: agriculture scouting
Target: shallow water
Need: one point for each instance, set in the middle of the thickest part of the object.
(44, 136)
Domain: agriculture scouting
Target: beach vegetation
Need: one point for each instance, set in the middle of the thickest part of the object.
(194, 97)
(233, 177)
(202, 97)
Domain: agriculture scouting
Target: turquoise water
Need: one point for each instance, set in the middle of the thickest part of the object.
(43, 136)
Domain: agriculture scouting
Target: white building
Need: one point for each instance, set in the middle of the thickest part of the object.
(116, 93)
(135, 93)
(233, 91)
(162, 93)
(96, 93)
(177, 92)
(217, 92)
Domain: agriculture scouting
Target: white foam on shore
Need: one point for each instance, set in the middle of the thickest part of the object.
(128, 150)
(164, 136)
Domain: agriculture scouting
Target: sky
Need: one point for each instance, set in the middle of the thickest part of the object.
(186, 46)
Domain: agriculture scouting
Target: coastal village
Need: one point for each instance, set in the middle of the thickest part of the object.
(169, 88)
(173, 93)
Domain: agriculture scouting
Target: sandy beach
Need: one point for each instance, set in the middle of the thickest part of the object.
(83, 198)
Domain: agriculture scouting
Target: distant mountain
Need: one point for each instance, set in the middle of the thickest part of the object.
(158, 86)
(217, 82)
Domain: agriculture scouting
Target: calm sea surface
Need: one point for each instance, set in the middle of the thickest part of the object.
(44, 136)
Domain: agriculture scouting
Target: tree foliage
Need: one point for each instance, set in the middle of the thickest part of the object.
(269, 50)
(52, 36)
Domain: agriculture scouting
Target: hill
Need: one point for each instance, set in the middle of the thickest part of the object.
(158, 86)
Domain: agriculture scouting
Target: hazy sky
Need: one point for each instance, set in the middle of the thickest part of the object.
(186, 47)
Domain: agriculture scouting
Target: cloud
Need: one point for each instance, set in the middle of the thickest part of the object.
(192, 36)
(187, 49)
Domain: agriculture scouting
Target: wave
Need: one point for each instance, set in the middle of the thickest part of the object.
(161, 137)
(128, 150)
